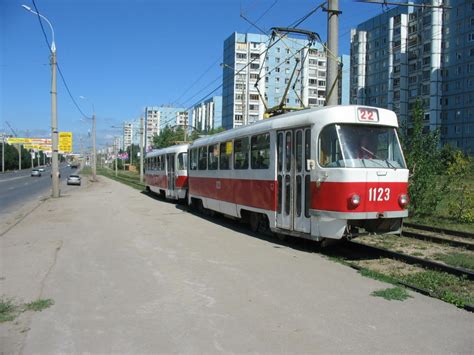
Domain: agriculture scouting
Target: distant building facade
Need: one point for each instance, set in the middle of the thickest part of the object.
(250, 74)
(128, 131)
(411, 54)
(207, 114)
(159, 117)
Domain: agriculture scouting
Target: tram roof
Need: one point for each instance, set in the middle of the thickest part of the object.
(321, 115)
(171, 149)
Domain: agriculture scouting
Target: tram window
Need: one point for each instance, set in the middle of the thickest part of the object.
(153, 163)
(225, 155)
(298, 196)
(329, 149)
(260, 151)
(182, 161)
(213, 158)
(299, 150)
(280, 151)
(307, 147)
(288, 151)
(287, 194)
(360, 146)
(202, 163)
(159, 163)
(280, 189)
(307, 196)
(193, 162)
(241, 153)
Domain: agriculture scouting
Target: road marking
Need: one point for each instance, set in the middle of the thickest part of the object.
(15, 178)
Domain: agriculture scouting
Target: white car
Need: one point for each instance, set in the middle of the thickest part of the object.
(74, 180)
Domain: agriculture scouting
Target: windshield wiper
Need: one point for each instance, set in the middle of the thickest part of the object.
(390, 165)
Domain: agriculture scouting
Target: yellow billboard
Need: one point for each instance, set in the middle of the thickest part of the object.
(65, 142)
(15, 140)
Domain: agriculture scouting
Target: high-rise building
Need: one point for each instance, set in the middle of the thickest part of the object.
(128, 132)
(207, 114)
(159, 117)
(257, 71)
(423, 54)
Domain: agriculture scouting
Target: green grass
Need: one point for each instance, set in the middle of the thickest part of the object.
(378, 276)
(39, 305)
(463, 260)
(394, 293)
(441, 217)
(449, 288)
(8, 310)
(129, 178)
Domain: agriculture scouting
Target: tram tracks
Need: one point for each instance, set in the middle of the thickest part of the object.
(441, 266)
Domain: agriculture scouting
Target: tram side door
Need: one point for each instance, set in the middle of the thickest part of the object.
(285, 179)
(293, 179)
(171, 171)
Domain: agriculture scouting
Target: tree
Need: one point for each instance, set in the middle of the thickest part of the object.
(456, 189)
(422, 153)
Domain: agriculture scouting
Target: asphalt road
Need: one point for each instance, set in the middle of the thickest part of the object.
(19, 187)
(131, 274)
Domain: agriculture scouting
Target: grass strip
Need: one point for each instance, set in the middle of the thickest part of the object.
(463, 260)
(394, 293)
(9, 310)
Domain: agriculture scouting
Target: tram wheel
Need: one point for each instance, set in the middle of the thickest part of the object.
(254, 221)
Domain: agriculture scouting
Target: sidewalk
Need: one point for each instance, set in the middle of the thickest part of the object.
(132, 274)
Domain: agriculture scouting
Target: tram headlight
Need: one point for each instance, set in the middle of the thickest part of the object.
(354, 201)
(403, 200)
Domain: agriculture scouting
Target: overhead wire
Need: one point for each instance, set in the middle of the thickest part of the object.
(294, 24)
(59, 68)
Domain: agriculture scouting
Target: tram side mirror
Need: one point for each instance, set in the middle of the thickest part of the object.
(310, 164)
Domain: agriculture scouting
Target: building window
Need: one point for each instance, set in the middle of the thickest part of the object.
(241, 56)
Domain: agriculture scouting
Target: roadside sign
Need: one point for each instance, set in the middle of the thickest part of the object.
(65, 142)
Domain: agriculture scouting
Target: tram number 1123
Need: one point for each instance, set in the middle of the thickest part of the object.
(379, 194)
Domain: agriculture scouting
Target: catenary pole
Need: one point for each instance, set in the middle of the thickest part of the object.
(19, 157)
(94, 152)
(332, 52)
(141, 149)
(3, 153)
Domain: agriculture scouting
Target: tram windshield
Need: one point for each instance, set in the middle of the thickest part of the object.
(360, 146)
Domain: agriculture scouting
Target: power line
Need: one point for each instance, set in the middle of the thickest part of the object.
(59, 68)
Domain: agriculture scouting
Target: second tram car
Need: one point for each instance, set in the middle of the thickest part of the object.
(318, 173)
(166, 171)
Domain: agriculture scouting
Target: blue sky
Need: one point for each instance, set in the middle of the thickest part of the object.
(124, 55)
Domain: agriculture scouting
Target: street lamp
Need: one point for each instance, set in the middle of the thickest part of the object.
(54, 118)
(94, 165)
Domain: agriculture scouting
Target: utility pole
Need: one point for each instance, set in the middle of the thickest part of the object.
(19, 157)
(332, 52)
(116, 156)
(141, 148)
(3, 153)
(94, 153)
(54, 125)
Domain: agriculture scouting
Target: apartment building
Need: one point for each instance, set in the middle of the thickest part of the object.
(207, 114)
(128, 132)
(255, 78)
(159, 117)
(411, 54)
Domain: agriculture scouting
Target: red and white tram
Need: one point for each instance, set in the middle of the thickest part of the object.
(166, 171)
(318, 173)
